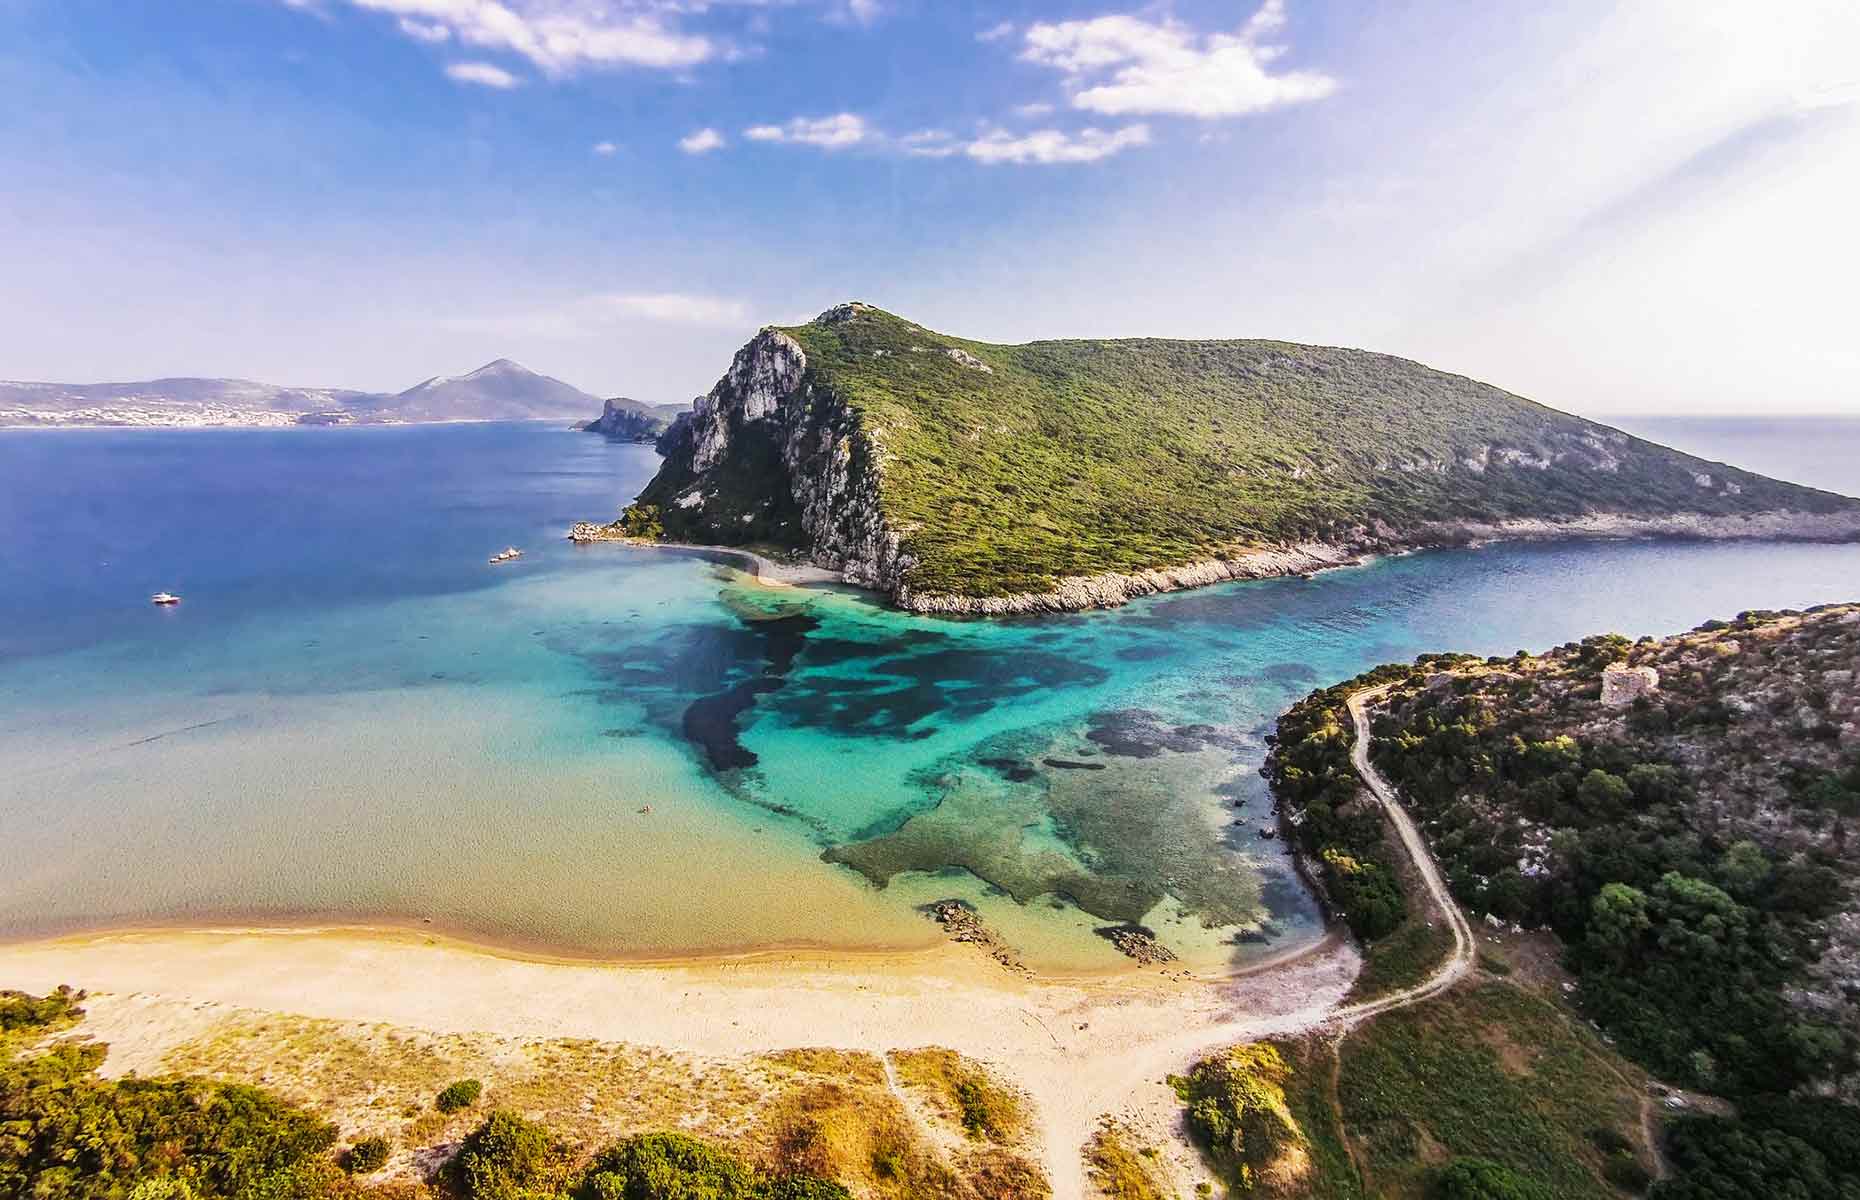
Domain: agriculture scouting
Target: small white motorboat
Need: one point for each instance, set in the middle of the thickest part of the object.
(164, 598)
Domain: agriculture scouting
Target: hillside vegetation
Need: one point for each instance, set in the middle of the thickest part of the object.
(1686, 839)
(1002, 470)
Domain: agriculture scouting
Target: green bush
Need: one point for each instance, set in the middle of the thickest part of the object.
(673, 1166)
(65, 1133)
(509, 1158)
(1624, 1171)
(366, 1156)
(1482, 1179)
(642, 521)
(1237, 1108)
(19, 1010)
(462, 1094)
(667, 1166)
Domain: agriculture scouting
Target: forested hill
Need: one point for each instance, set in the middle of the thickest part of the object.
(950, 472)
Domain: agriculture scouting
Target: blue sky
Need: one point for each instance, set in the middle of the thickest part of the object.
(1609, 207)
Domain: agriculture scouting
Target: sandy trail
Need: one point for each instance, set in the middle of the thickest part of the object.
(1081, 1048)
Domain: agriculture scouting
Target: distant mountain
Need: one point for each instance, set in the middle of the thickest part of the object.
(627, 420)
(498, 391)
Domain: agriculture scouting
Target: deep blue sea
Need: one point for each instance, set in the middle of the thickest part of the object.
(621, 752)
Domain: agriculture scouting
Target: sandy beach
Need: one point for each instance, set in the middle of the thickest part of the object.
(1080, 1049)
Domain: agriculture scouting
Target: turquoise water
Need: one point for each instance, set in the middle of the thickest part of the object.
(610, 751)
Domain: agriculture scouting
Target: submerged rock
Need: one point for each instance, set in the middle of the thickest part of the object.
(964, 925)
(1137, 942)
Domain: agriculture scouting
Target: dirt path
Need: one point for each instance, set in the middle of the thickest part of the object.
(1461, 960)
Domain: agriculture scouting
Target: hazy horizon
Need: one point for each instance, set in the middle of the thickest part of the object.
(1615, 210)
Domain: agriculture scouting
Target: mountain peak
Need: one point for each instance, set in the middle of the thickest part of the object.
(499, 366)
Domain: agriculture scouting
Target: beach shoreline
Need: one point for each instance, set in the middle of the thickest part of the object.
(1080, 1048)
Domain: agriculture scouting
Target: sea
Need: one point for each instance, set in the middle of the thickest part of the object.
(619, 753)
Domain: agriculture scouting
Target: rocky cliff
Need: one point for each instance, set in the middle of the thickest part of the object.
(957, 476)
(770, 458)
(627, 420)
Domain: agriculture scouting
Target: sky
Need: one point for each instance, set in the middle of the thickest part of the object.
(1621, 208)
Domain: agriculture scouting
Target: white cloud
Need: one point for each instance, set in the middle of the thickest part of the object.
(1038, 108)
(600, 314)
(829, 133)
(995, 33)
(1124, 65)
(606, 149)
(701, 142)
(560, 37)
(423, 31)
(864, 11)
(682, 308)
(930, 143)
(482, 74)
(1050, 146)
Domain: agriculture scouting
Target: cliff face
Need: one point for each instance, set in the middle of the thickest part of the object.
(961, 477)
(768, 458)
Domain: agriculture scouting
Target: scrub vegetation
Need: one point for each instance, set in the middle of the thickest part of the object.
(348, 1113)
(1687, 846)
(1485, 1085)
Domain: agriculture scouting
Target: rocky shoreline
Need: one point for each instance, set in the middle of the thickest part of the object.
(1109, 590)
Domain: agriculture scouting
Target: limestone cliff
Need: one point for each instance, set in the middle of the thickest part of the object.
(627, 420)
(957, 476)
(768, 458)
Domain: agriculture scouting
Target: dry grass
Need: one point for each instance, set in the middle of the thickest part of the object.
(826, 1111)
(1122, 1173)
(964, 1094)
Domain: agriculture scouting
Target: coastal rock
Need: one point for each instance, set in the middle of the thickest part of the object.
(963, 925)
(1622, 685)
(1136, 942)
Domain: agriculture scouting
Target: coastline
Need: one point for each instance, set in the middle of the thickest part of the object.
(764, 568)
(1110, 589)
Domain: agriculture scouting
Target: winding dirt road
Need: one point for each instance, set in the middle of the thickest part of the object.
(1461, 960)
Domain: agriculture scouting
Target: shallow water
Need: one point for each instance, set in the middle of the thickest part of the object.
(352, 715)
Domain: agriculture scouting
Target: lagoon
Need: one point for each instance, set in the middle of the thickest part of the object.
(618, 753)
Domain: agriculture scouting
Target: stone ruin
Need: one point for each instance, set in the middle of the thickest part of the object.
(1622, 685)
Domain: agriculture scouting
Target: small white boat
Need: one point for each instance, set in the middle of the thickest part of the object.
(505, 555)
(164, 598)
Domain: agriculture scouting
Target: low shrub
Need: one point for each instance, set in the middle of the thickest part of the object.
(509, 1158)
(21, 1010)
(1237, 1108)
(366, 1156)
(462, 1094)
(1482, 1179)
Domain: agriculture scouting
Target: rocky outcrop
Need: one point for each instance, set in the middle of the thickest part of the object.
(769, 457)
(627, 420)
(1622, 685)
